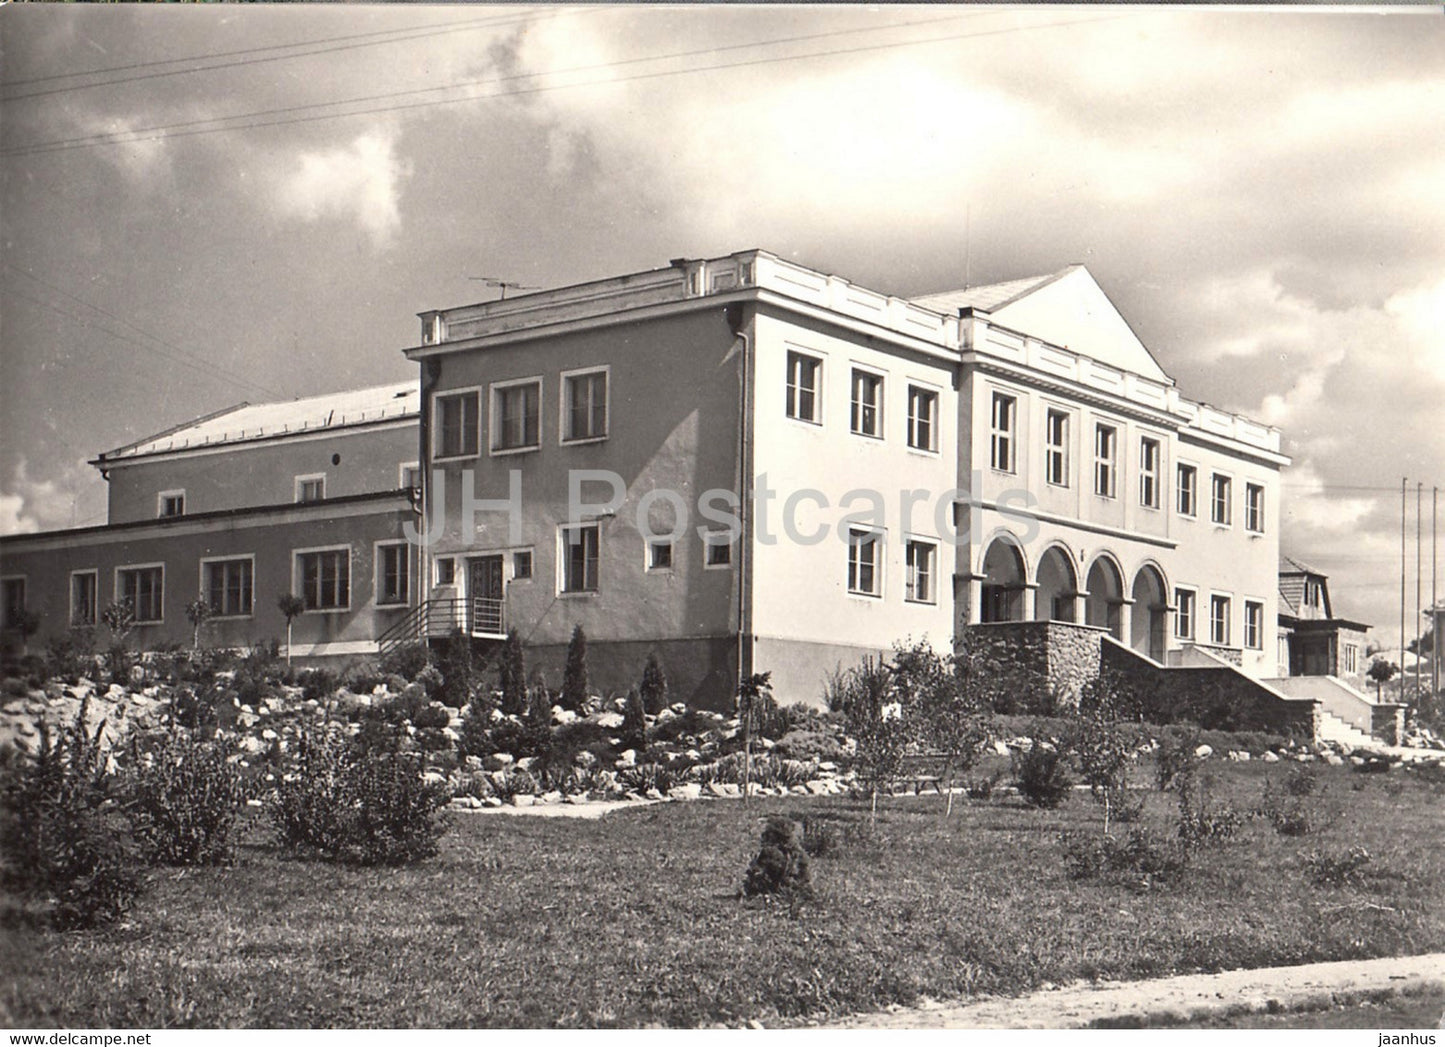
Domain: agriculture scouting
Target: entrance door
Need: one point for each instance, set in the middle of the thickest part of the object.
(484, 594)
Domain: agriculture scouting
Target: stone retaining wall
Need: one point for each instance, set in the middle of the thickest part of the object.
(1034, 667)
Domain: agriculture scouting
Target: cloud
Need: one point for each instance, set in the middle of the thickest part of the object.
(28, 504)
(360, 182)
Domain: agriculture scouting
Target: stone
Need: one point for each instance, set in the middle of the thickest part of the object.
(253, 745)
(451, 735)
(685, 791)
(1333, 760)
(828, 765)
(730, 788)
(563, 716)
(628, 758)
(551, 796)
(1001, 748)
(523, 800)
(1204, 752)
(470, 802)
(800, 790)
(653, 794)
(269, 735)
(716, 789)
(610, 721)
(498, 761)
(473, 763)
(492, 801)
(1270, 757)
(526, 763)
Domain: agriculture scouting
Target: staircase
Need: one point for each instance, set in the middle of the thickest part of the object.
(481, 617)
(1333, 729)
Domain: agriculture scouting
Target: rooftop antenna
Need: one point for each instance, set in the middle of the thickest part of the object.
(492, 281)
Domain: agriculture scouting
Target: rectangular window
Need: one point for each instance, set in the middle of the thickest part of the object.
(517, 416)
(864, 562)
(920, 558)
(718, 550)
(393, 573)
(446, 571)
(1149, 473)
(458, 429)
(83, 590)
(1254, 625)
(1106, 465)
(311, 488)
(584, 406)
(1056, 447)
(922, 419)
(227, 585)
(1219, 620)
(1219, 500)
(802, 393)
(1188, 490)
(325, 578)
(1352, 663)
(522, 564)
(1001, 432)
(867, 404)
(171, 503)
(144, 589)
(1184, 614)
(12, 600)
(1254, 508)
(659, 556)
(580, 548)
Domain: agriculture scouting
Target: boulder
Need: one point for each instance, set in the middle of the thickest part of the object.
(816, 787)
(523, 800)
(685, 791)
(497, 761)
(628, 758)
(1270, 757)
(492, 801)
(526, 763)
(550, 796)
(1204, 752)
(609, 721)
(1001, 748)
(563, 716)
(1333, 760)
(653, 794)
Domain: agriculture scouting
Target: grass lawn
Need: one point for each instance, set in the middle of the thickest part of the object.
(1413, 1010)
(633, 919)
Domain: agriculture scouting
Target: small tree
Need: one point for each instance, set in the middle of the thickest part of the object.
(198, 612)
(653, 686)
(290, 605)
(634, 721)
(880, 725)
(1382, 671)
(755, 705)
(1104, 749)
(944, 718)
(512, 676)
(119, 618)
(27, 623)
(574, 681)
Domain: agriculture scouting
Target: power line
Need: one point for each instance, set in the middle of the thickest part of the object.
(176, 130)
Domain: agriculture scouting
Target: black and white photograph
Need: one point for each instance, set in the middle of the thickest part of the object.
(721, 517)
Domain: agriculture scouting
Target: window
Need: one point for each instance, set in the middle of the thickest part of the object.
(802, 393)
(1219, 620)
(522, 564)
(1254, 625)
(580, 547)
(1106, 446)
(411, 475)
(1184, 614)
(171, 503)
(12, 600)
(1188, 484)
(864, 565)
(1001, 444)
(517, 416)
(719, 550)
(1312, 593)
(584, 406)
(393, 573)
(311, 488)
(144, 589)
(457, 425)
(325, 577)
(446, 571)
(1056, 447)
(1351, 659)
(867, 404)
(1219, 501)
(1149, 472)
(922, 419)
(920, 558)
(659, 556)
(1254, 508)
(83, 587)
(227, 586)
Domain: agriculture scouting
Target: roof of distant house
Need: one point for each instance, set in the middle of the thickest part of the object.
(988, 297)
(1289, 565)
(246, 421)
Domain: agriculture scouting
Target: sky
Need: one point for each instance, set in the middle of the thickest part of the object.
(205, 204)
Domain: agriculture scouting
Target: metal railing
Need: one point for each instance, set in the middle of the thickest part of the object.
(482, 616)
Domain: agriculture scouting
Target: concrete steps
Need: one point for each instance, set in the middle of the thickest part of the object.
(1333, 729)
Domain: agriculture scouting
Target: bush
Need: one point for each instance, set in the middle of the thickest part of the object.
(64, 844)
(521, 739)
(182, 796)
(781, 865)
(653, 686)
(633, 734)
(343, 804)
(574, 678)
(809, 745)
(476, 729)
(1341, 869)
(319, 684)
(406, 661)
(1041, 775)
(1139, 858)
(982, 787)
(820, 838)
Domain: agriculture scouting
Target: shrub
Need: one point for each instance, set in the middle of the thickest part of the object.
(1139, 858)
(810, 745)
(512, 676)
(648, 776)
(476, 729)
(1105, 749)
(820, 838)
(1294, 820)
(64, 844)
(68, 654)
(406, 661)
(981, 788)
(1302, 781)
(430, 716)
(1340, 869)
(521, 739)
(1174, 759)
(781, 865)
(633, 734)
(515, 781)
(319, 684)
(1041, 775)
(182, 796)
(653, 686)
(574, 679)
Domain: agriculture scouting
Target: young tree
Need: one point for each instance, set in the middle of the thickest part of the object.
(653, 686)
(945, 720)
(755, 705)
(880, 724)
(512, 676)
(198, 612)
(290, 605)
(634, 721)
(119, 618)
(574, 682)
(1381, 671)
(1104, 748)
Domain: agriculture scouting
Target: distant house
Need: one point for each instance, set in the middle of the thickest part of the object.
(1313, 639)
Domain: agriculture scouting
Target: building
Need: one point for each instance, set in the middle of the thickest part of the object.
(238, 508)
(1313, 639)
(776, 469)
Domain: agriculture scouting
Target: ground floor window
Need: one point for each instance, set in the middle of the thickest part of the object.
(1254, 625)
(144, 589)
(581, 546)
(865, 575)
(228, 586)
(1184, 614)
(83, 597)
(393, 574)
(12, 600)
(325, 577)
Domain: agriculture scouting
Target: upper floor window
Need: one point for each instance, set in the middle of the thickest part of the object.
(584, 406)
(1351, 662)
(1188, 485)
(325, 577)
(227, 585)
(920, 560)
(446, 570)
(659, 555)
(581, 548)
(1254, 625)
(1254, 508)
(83, 598)
(311, 488)
(865, 562)
(517, 416)
(1056, 447)
(1219, 620)
(1106, 460)
(1184, 613)
(144, 589)
(719, 550)
(393, 573)
(867, 404)
(458, 431)
(922, 419)
(522, 564)
(1002, 421)
(171, 503)
(1313, 592)
(1149, 472)
(1219, 499)
(804, 374)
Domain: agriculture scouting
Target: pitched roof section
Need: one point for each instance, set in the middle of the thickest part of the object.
(1289, 565)
(246, 422)
(1067, 309)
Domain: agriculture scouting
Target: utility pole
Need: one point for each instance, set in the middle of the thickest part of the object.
(1419, 497)
(1435, 616)
(1403, 504)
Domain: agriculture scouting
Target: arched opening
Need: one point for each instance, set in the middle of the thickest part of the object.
(1003, 582)
(1102, 607)
(1151, 609)
(1057, 596)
